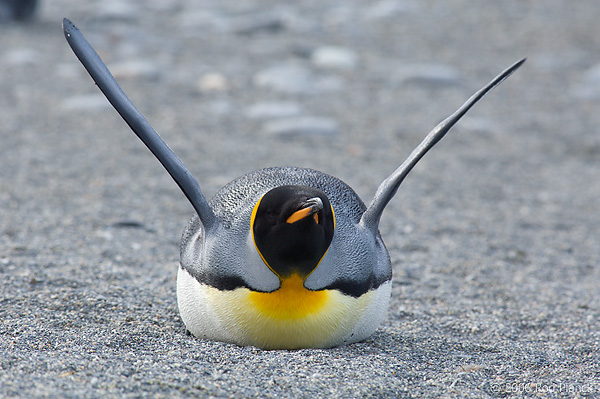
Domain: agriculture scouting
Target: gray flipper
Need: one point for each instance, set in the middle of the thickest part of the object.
(140, 126)
(388, 188)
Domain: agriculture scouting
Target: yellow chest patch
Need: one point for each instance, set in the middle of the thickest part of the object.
(290, 302)
(291, 317)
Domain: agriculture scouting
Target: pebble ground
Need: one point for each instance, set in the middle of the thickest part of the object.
(494, 236)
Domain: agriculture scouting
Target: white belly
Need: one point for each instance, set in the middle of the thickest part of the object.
(237, 316)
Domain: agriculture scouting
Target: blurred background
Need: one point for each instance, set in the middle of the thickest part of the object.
(493, 236)
(346, 87)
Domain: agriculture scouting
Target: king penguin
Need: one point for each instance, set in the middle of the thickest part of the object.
(280, 258)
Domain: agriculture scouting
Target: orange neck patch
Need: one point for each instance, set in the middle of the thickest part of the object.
(291, 301)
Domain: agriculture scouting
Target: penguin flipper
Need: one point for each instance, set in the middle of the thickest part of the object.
(138, 123)
(388, 188)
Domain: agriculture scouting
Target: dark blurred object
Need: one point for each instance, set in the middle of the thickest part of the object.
(17, 10)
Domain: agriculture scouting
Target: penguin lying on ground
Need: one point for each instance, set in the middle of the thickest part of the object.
(282, 257)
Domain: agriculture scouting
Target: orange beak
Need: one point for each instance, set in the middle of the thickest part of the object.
(314, 205)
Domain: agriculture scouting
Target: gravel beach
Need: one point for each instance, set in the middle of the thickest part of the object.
(494, 237)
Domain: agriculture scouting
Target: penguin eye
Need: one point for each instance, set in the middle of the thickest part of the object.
(272, 215)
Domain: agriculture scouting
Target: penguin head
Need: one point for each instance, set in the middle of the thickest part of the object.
(292, 228)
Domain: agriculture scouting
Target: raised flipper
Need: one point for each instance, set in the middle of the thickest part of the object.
(388, 188)
(138, 123)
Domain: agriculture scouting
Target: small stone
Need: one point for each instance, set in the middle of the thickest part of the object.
(116, 10)
(470, 368)
(262, 22)
(203, 20)
(220, 107)
(68, 70)
(136, 69)
(105, 234)
(302, 126)
(328, 83)
(213, 81)
(592, 76)
(589, 88)
(427, 74)
(288, 78)
(386, 9)
(478, 125)
(22, 56)
(164, 6)
(273, 110)
(86, 102)
(334, 57)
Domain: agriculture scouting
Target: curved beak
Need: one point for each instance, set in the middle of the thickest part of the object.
(311, 207)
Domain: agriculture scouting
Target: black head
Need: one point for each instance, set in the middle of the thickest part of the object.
(292, 228)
